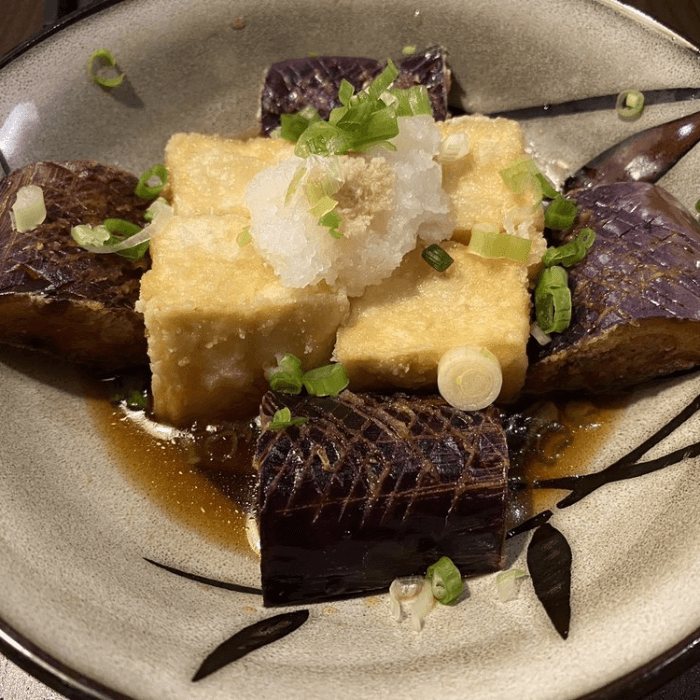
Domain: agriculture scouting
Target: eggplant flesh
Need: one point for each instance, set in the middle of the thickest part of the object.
(55, 296)
(291, 85)
(374, 487)
(635, 296)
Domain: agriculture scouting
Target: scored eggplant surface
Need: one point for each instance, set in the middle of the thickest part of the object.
(635, 296)
(54, 295)
(374, 487)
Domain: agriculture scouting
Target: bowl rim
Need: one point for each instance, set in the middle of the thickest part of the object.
(52, 672)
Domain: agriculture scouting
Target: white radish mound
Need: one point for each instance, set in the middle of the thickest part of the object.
(388, 200)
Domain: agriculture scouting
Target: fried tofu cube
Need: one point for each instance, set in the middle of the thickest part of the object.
(398, 330)
(216, 316)
(210, 174)
(477, 190)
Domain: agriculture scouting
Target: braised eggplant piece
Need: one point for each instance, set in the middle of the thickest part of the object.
(643, 157)
(54, 295)
(314, 81)
(374, 487)
(635, 296)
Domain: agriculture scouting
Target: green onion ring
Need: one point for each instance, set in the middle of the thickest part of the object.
(145, 191)
(106, 56)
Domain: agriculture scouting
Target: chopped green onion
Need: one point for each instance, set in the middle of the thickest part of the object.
(297, 178)
(412, 101)
(292, 126)
(131, 242)
(287, 375)
(328, 380)
(244, 237)
(156, 208)
(506, 583)
(445, 581)
(345, 91)
(560, 214)
(454, 148)
(548, 190)
(363, 122)
(416, 595)
(125, 230)
(106, 56)
(436, 257)
(408, 50)
(90, 236)
(322, 206)
(630, 104)
(537, 333)
(492, 244)
(283, 419)
(572, 252)
(146, 191)
(521, 175)
(332, 221)
(324, 139)
(553, 300)
(29, 209)
(136, 400)
(469, 377)
(121, 226)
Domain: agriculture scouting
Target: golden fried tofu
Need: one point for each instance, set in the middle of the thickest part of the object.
(398, 330)
(210, 174)
(216, 316)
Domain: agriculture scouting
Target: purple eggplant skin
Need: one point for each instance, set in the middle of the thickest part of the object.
(375, 487)
(291, 85)
(643, 157)
(55, 296)
(635, 296)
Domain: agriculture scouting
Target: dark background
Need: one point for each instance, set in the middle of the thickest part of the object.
(21, 19)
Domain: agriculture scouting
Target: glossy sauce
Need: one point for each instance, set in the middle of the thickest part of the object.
(204, 477)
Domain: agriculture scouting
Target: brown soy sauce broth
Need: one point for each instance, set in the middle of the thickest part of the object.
(204, 476)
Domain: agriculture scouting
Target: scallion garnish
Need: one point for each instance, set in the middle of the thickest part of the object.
(469, 377)
(283, 419)
(560, 214)
(408, 50)
(292, 126)
(572, 252)
(29, 209)
(136, 400)
(538, 335)
(492, 244)
(506, 583)
(244, 237)
(156, 208)
(146, 191)
(445, 581)
(287, 375)
(331, 220)
(630, 104)
(106, 56)
(553, 300)
(410, 102)
(328, 380)
(521, 176)
(113, 236)
(121, 231)
(363, 121)
(436, 257)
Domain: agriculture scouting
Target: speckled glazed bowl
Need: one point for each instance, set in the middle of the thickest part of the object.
(80, 605)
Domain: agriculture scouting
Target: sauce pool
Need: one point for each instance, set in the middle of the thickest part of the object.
(204, 477)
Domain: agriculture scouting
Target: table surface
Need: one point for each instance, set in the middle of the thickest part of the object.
(21, 19)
